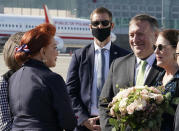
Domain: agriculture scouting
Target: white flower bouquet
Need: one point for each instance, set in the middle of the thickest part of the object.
(139, 107)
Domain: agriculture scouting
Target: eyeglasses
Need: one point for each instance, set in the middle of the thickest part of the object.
(161, 47)
(104, 23)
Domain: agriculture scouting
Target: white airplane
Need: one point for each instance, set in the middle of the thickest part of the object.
(70, 32)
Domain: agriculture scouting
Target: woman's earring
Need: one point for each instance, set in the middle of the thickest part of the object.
(44, 60)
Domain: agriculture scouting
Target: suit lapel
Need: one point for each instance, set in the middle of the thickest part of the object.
(90, 58)
(113, 53)
(131, 70)
(152, 74)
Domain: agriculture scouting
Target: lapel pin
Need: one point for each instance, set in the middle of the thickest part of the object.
(115, 53)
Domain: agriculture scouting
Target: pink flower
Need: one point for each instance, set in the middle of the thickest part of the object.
(122, 106)
(141, 104)
(112, 113)
(155, 90)
(159, 98)
(131, 108)
(145, 97)
(144, 92)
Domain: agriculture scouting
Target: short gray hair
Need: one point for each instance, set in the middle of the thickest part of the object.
(9, 50)
(145, 17)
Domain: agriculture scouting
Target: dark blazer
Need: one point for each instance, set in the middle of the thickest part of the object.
(121, 75)
(172, 86)
(39, 99)
(80, 78)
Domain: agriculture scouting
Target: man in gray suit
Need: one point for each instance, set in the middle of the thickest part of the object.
(143, 32)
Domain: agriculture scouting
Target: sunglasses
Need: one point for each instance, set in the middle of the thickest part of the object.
(104, 23)
(161, 47)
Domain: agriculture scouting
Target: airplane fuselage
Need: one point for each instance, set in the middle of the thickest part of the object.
(73, 31)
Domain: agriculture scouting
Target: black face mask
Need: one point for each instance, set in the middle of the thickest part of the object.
(101, 34)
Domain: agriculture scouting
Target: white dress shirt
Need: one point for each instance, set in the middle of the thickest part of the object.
(94, 109)
(150, 60)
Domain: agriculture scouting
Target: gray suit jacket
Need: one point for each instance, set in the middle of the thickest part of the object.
(121, 75)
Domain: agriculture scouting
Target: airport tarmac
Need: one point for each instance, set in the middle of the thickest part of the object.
(61, 68)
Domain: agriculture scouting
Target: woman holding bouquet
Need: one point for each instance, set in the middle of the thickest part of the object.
(38, 96)
(165, 49)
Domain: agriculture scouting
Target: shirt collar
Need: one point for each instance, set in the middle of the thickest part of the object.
(150, 60)
(107, 46)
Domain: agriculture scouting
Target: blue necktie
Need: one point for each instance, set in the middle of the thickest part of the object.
(100, 73)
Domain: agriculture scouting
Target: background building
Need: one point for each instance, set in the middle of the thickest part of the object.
(166, 11)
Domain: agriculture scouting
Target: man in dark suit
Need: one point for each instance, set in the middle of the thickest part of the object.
(143, 32)
(83, 74)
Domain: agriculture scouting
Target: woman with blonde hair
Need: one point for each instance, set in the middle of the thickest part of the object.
(38, 96)
(8, 53)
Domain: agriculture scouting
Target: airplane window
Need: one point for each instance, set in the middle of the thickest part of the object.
(74, 28)
(71, 28)
(9, 25)
(29, 26)
(6, 25)
(65, 28)
(61, 27)
(26, 26)
(16, 25)
(68, 28)
(2, 25)
(12, 25)
(80, 28)
(20, 26)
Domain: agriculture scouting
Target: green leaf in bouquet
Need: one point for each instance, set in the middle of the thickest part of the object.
(168, 96)
(169, 109)
(122, 120)
(151, 124)
(116, 108)
(159, 118)
(122, 127)
(161, 88)
(143, 121)
(103, 100)
(113, 129)
(133, 125)
(114, 122)
(175, 101)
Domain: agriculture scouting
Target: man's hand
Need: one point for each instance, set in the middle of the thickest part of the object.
(91, 124)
